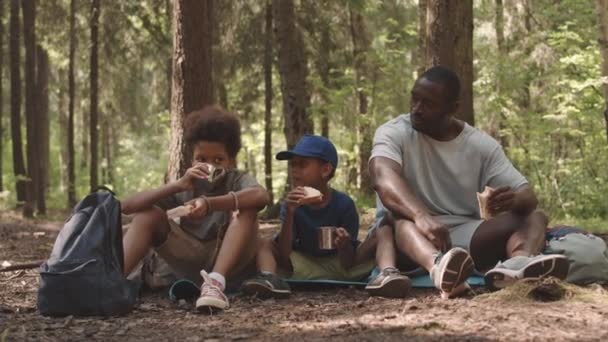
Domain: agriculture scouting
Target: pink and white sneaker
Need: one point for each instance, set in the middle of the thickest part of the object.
(212, 297)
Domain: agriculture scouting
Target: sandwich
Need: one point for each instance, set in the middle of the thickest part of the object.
(312, 196)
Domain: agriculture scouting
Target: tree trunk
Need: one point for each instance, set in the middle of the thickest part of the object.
(361, 46)
(192, 84)
(18, 162)
(44, 143)
(422, 32)
(1, 97)
(450, 43)
(324, 67)
(268, 101)
(71, 94)
(602, 20)
(29, 39)
(499, 23)
(94, 116)
(63, 131)
(293, 71)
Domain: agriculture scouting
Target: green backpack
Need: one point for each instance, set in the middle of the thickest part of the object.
(587, 253)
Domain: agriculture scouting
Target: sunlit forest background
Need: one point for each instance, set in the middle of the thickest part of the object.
(537, 88)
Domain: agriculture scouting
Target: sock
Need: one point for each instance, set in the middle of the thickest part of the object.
(219, 278)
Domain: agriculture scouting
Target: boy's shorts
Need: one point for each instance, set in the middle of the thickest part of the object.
(307, 267)
(186, 256)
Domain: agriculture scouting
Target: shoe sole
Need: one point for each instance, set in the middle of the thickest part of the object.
(457, 270)
(394, 288)
(549, 266)
(264, 292)
(210, 308)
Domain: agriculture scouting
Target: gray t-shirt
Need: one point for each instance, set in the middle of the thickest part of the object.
(446, 175)
(213, 224)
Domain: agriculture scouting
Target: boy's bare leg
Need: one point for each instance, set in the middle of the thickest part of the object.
(148, 228)
(385, 252)
(240, 233)
(266, 258)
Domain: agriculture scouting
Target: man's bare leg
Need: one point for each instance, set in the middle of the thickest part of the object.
(148, 228)
(518, 240)
(506, 236)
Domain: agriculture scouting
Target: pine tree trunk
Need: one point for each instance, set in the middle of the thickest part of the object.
(94, 115)
(450, 43)
(18, 162)
(1, 86)
(421, 55)
(268, 101)
(499, 20)
(63, 131)
(192, 83)
(361, 46)
(29, 39)
(293, 71)
(44, 143)
(602, 20)
(71, 98)
(324, 63)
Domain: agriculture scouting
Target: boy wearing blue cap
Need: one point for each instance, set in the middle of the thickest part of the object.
(295, 251)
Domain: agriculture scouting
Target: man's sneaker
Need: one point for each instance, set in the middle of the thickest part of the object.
(520, 267)
(212, 297)
(390, 284)
(266, 285)
(451, 271)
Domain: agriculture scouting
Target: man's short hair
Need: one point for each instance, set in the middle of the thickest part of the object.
(447, 77)
(214, 124)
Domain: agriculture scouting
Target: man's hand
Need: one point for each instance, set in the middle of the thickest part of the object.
(501, 200)
(437, 233)
(342, 240)
(293, 198)
(199, 208)
(197, 171)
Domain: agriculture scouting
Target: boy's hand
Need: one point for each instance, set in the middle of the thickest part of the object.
(294, 197)
(342, 238)
(199, 208)
(197, 171)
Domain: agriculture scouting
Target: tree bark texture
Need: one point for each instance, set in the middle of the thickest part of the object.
(602, 20)
(268, 101)
(450, 43)
(94, 93)
(192, 81)
(29, 39)
(43, 135)
(71, 163)
(17, 142)
(293, 71)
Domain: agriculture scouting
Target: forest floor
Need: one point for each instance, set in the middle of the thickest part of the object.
(308, 315)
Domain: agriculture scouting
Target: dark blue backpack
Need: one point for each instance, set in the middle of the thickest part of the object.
(84, 274)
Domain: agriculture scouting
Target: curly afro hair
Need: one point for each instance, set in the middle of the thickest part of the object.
(214, 124)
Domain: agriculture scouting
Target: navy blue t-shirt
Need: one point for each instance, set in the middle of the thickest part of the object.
(339, 212)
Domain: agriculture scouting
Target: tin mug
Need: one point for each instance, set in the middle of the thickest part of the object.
(327, 237)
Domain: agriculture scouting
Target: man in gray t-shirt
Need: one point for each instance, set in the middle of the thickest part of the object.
(427, 168)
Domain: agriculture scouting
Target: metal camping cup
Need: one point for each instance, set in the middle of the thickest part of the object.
(327, 237)
(215, 173)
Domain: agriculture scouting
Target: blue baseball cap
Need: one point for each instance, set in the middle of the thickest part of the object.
(314, 146)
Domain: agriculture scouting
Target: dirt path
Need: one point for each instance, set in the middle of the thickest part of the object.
(309, 315)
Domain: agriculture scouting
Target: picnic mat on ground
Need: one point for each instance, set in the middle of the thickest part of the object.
(185, 289)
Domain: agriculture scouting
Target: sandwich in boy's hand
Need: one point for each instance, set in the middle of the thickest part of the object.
(312, 196)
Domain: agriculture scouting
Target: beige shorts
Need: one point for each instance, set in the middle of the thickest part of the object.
(186, 256)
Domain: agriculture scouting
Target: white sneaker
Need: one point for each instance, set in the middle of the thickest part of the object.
(520, 267)
(451, 272)
(212, 297)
